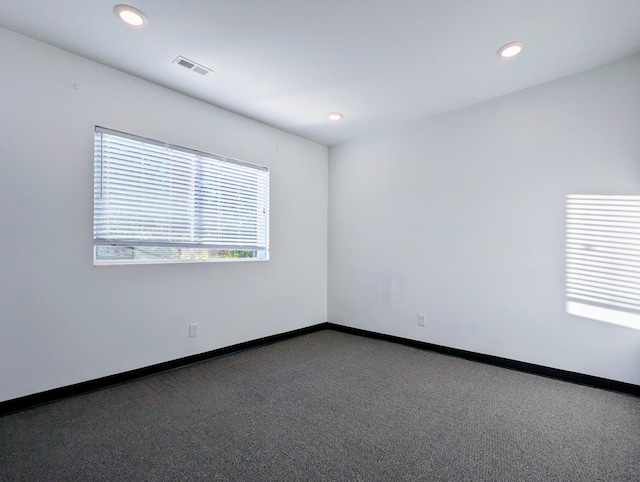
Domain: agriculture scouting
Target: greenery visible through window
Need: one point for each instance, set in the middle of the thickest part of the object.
(155, 202)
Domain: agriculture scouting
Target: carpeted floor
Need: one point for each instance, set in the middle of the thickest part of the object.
(330, 406)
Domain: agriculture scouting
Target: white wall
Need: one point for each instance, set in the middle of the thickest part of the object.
(462, 217)
(63, 321)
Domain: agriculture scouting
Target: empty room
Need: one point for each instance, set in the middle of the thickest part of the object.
(279, 240)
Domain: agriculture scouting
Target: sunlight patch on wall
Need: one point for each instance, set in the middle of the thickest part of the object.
(603, 258)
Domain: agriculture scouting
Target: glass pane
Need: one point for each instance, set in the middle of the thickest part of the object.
(133, 254)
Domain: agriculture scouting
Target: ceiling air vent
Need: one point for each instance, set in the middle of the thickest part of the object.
(191, 65)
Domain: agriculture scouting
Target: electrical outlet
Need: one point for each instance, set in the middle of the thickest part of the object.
(193, 329)
(422, 320)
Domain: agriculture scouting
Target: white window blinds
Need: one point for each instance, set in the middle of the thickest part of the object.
(151, 194)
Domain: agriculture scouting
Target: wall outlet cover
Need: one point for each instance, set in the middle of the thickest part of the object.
(193, 329)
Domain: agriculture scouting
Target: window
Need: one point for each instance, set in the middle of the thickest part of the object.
(155, 202)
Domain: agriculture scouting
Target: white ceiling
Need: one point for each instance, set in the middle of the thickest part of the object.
(289, 63)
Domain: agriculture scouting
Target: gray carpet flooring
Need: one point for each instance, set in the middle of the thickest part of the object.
(329, 406)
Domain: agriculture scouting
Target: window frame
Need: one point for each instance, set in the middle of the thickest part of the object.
(198, 200)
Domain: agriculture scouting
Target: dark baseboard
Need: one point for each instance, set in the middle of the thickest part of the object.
(564, 375)
(42, 398)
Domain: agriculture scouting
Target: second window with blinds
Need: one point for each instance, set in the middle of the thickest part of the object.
(159, 203)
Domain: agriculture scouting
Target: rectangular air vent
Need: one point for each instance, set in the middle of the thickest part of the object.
(191, 65)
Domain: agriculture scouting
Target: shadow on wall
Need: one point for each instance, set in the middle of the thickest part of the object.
(603, 258)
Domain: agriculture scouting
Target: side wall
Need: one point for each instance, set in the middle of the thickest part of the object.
(63, 321)
(462, 218)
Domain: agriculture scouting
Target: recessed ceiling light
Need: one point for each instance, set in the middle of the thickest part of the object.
(335, 116)
(131, 15)
(510, 50)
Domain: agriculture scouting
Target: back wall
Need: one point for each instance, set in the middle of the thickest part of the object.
(462, 218)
